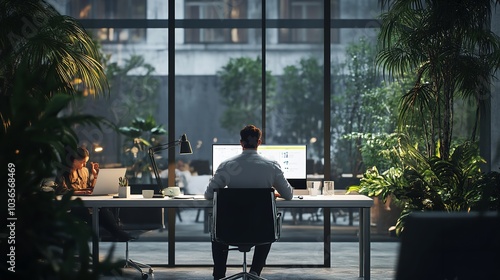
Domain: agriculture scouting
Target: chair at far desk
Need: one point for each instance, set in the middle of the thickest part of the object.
(137, 220)
(245, 223)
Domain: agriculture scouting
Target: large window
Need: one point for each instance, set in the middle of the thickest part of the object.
(112, 9)
(220, 49)
(217, 10)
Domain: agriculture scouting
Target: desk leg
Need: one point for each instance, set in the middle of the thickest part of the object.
(364, 245)
(171, 216)
(95, 238)
(327, 237)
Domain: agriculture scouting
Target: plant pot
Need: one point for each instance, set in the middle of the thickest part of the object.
(124, 192)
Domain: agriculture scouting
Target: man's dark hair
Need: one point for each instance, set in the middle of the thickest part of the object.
(250, 136)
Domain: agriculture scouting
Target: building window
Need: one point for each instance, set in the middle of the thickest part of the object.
(306, 9)
(220, 10)
(112, 9)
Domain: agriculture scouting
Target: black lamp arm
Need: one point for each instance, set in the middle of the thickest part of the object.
(152, 151)
(185, 149)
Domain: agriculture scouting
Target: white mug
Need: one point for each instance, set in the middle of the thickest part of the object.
(148, 193)
(172, 191)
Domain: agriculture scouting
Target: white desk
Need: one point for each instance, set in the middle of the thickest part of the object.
(363, 203)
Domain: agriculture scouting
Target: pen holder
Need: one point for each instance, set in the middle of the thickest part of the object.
(124, 192)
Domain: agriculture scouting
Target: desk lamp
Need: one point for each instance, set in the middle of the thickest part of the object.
(185, 149)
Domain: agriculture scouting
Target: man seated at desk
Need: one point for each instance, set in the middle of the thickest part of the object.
(254, 171)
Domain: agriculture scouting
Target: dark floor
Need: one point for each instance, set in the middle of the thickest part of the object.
(302, 256)
(297, 255)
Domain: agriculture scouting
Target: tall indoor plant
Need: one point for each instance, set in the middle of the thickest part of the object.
(448, 50)
(447, 47)
(46, 60)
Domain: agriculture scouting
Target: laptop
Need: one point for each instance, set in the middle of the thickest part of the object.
(107, 181)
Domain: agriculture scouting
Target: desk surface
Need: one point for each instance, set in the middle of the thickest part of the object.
(340, 201)
(319, 201)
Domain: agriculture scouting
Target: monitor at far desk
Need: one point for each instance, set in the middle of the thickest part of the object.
(291, 158)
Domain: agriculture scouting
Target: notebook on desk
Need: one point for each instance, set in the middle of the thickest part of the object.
(107, 181)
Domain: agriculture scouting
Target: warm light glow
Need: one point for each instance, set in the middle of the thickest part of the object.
(84, 13)
(98, 148)
(76, 81)
(234, 35)
(313, 140)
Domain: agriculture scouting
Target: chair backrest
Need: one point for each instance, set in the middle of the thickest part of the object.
(458, 245)
(245, 217)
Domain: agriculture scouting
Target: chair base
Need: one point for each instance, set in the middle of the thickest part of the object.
(140, 267)
(244, 276)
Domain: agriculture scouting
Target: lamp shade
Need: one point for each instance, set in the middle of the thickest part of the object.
(185, 146)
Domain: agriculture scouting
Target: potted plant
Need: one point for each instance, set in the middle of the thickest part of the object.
(124, 189)
(419, 183)
(140, 135)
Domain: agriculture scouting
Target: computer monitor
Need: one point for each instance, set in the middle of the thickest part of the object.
(291, 158)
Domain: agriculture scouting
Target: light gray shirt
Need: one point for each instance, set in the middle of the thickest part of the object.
(249, 170)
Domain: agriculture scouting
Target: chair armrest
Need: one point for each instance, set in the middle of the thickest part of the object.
(278, 223)
(210, 225)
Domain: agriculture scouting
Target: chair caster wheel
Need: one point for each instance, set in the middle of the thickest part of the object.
(144, 276)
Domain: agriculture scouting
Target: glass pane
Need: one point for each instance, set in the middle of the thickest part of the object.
(218, 76)
(355, 110)
(108, 9)
(220, 11)
(112, 9)
(223, 90)
(295, 107)
(357, 9)
(138, 90)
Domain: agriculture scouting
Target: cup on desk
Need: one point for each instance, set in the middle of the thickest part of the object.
(328, 188)
(148, 193)
(314, 188)
(172, 191)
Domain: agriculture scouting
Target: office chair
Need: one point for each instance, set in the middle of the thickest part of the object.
(139, 220)
(245, 218)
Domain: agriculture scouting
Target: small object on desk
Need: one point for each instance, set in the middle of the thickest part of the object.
(300, 197)
(158, 195)
(328, 188)
(172, 191)
(314, 188)
(148, 193)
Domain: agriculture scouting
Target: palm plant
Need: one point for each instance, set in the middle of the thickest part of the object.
(452, 53)
(46, 62)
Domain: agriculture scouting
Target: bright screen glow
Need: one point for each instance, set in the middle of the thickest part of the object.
(291, 158)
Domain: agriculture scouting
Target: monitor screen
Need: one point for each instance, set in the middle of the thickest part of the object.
(291, 158)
